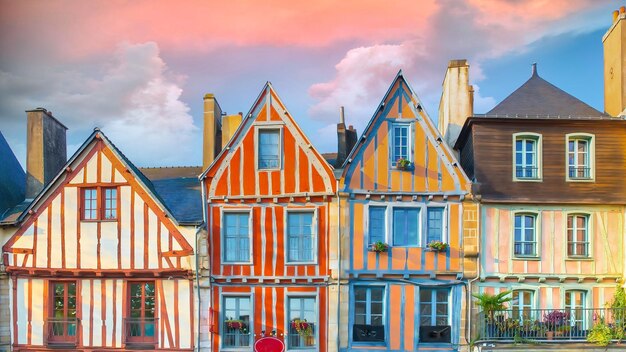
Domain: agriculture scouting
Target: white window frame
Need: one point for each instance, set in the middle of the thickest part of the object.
(315, 225)
(588, 235)
(223, 317)
(422, 219)
(315, 296)
(265, 127)
(585, 301)
(537, 241)
(223, 235)
(538, 138)
(392, 155)
(590, 138)
(520, 306)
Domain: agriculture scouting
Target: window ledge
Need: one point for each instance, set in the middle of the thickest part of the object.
(237, 263)
(521, 258)
(98, 220)
(301, 263)
(579, 259)
(527, 179)
(580, 180)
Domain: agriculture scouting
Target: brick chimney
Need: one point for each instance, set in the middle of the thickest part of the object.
(212, 135)
(457, 101)
(346, 139)
(46, 149)
(614, 44)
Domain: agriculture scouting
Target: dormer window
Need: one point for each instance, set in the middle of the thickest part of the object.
(527, 157)
(580, 157)
(269, 149)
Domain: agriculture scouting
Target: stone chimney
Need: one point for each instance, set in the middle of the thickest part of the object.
(230, 123)
(46, 149)
(614, 43)
(212, 135)
(457, 101)
(346, 139)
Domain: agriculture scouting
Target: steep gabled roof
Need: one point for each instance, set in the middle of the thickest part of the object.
(538, 97)
(12, 179)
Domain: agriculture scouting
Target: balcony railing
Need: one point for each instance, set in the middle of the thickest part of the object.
(141, 331)
(547, 325)
(62, 331)
(526, 172)
(579, 172)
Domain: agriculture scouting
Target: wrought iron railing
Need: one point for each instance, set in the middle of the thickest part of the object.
(526, 172)
(517, 325)
(140, 330)
(579, 172)
(62, 331)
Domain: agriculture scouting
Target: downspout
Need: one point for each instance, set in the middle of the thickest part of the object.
(469, 283)
(338, 263)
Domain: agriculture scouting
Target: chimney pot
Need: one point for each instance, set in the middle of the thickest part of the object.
(342, 118)
(615, 15)
(622, 9)
(534, 69)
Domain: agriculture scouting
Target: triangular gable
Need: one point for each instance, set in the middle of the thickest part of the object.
(53, 235)
(434, 168)
(303, 170)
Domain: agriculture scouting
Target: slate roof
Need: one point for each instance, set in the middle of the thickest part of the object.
(12, 180)
(538, 97)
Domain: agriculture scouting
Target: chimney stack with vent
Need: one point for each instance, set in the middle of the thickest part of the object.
(212, 131)
(46, 149)
(614, 43)
(457, 100)
(346, 139)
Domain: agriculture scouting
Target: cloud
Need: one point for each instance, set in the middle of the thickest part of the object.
(476, 30)
(131, 96)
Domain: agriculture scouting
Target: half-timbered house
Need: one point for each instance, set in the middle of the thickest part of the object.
(268, 196)
(98, 261)
(402, 197)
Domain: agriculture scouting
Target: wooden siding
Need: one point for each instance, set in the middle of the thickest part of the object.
(606, 236)
(101, 305)
(141, 238)
(493, 163)
(269, 306)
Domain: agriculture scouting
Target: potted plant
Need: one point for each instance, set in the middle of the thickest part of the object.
(236, 324)
(491, 304)
(403, 164)
(379, 247)
(301, 326)
(600, 334)
(554, 322)
(437, 246)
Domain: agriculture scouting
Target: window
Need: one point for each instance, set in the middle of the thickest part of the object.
(405, 226)
(522, 304)
(269, 149)
(368, 314)
(434, 315)
(99, 203)
(577, 235)
(401, 142)
(525, 235)
(434, 225)
(579, 157)
(377, 224)
(302, 322)
(237, 237)
(527, 157)
(237, 322)
(62, 322)
(141, 325)
(575, 306)
(300, 237)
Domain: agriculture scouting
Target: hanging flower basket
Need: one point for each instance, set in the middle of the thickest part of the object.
(403, 164)
(438, 246)
(378, 247)
(236, 325)
(303, 328)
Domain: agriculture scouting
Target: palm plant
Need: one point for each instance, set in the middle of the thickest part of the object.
(492, 303)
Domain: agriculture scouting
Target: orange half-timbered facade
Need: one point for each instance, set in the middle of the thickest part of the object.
(98, 262)
(406, 214)
(269, 195)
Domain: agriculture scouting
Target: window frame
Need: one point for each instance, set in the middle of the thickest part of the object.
(422, 221)
(222, 319)
(100, 202)
(384, 319)
(585, 301)
(302, 295)
(269, 127)
(134, 340)
(538, 138)
(591, 152)
(433, 303)
(315, 235)
(64, 339)
(223, 214)
(537, 232)
(519, 307)
(588, 236)
(392, 154)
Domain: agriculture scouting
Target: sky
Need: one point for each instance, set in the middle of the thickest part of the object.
(139, 69)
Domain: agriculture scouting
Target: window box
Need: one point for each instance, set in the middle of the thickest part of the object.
(404, 164)
(437, 246)
(435, 334)
(378, 247)
(368, 333)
